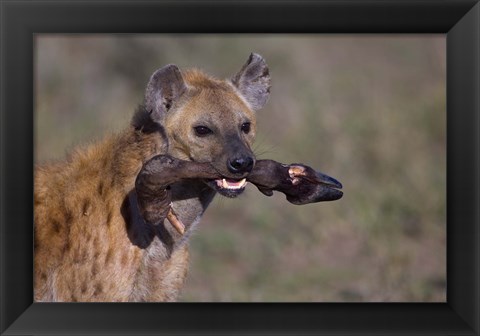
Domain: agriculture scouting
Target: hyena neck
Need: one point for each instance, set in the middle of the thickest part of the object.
(132, 148)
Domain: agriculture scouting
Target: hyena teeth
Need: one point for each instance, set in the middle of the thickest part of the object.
(232, 184)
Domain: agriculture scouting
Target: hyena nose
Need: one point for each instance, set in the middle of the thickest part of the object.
(240, 165)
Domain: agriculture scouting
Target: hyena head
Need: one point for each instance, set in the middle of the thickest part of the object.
(211, 120)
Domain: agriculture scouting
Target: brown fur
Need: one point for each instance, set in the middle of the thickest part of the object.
(91, 244)
(82, 249)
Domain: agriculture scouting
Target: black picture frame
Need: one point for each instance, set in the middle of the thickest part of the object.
(21, 20)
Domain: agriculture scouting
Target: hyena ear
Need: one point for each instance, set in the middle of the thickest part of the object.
(253, 81)
(165, 87)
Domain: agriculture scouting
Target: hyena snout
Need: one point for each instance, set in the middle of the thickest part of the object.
(234, 168)
(241, 164)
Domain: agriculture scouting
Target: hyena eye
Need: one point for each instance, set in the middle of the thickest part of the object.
(245, 127)
(202, 131)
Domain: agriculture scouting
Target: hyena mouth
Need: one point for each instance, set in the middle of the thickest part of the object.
(228, 187)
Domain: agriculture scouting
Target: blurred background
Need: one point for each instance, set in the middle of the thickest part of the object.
(367, 110)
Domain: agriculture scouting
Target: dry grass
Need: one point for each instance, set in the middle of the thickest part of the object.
(367, 110)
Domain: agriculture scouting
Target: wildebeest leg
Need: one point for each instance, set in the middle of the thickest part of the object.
(300, 183)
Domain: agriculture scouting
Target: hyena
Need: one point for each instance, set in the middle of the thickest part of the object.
(112, 221)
